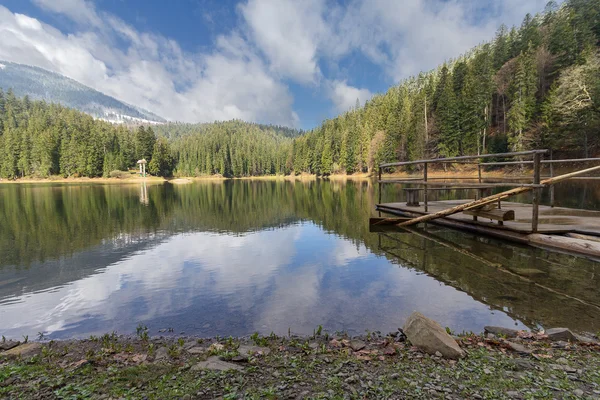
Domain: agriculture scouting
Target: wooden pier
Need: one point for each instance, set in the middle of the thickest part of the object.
(565, 229)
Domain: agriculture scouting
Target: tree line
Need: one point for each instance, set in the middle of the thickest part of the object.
(536, 86)
(39, 139)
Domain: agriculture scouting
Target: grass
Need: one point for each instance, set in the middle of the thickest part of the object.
(111, 366)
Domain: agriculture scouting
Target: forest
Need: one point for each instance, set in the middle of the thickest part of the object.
(536, 86)
(533, 86)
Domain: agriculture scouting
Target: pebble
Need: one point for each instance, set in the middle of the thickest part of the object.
(578, 392)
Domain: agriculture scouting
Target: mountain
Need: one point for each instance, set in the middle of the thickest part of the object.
(40, 84)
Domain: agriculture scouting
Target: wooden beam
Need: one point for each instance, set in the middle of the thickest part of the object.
(463, 184)
(460, 158)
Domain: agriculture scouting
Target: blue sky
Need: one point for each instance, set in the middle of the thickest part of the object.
(288, 62)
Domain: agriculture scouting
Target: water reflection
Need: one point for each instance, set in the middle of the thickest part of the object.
(221, 284)
(237, 257)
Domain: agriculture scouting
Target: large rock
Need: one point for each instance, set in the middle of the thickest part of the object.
(8, 344)
(430, 337)
(556, 334)
(498, 330)
(24, 350)
(215, 364)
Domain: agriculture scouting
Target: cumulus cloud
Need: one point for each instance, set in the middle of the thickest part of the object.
(247, 71)
(415, 35)
(151, 71)
(344, 96)
(288, 32)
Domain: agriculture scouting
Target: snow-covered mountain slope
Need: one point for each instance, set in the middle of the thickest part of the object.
(40, 84)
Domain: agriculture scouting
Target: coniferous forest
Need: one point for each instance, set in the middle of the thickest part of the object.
(533, 86)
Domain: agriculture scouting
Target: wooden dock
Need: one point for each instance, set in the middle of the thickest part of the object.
(557, 228)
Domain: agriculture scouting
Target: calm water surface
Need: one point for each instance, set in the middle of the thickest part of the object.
(232, 258)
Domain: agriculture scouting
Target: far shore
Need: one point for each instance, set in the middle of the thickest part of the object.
(435, 174)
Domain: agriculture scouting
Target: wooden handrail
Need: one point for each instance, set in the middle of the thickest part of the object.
(442, 160)
(543, 161)
(450, 184)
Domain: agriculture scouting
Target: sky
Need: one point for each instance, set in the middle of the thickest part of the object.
(284, 62)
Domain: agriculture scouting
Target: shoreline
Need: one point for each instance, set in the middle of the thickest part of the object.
(436, 174)
(333, 366)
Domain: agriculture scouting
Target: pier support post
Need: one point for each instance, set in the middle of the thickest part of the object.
(536, 192)
(425, 189)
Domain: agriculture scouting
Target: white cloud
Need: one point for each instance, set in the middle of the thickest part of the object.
(151, 71)
(245, 74)
(80, 11)
(344, 96)
(415, 35)
(288, 32)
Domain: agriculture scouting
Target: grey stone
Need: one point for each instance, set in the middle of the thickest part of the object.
(8, 344)
(246, 350)
(556, 334)
(578, 392)
(430, 337)
(161, 354)
(498, 330)
(197, 350)
(519, 348)
(26, 349)
(213, 363)
(520, 365)
(357, 345)
(584, 339)
(512, 393)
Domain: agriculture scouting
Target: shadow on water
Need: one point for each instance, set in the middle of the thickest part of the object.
(236, 257)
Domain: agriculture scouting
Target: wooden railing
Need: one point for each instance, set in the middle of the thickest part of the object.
(537, 161)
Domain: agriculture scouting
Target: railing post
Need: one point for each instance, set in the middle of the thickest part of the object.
(536, 192)
(551, 186)
(425, 180)
(380, 185)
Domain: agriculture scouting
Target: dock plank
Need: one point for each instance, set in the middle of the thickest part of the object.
(557, 220)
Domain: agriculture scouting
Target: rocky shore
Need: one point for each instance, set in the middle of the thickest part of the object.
(501, 363)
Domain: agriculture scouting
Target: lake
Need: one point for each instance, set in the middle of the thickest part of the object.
(237, 257)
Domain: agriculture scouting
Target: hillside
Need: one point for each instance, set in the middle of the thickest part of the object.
(536, 86)
(40, 84)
